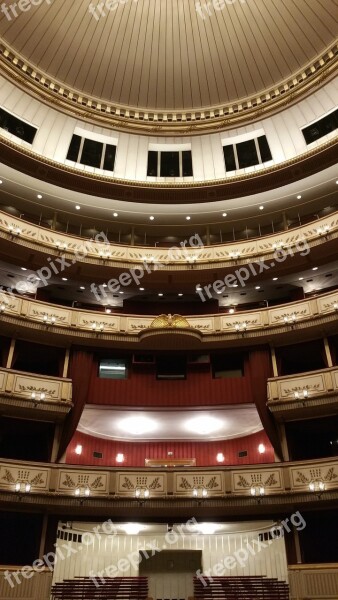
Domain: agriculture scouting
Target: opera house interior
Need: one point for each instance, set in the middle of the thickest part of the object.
(169, 300)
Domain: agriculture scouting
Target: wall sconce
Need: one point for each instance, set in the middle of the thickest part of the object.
(78, 449)
(38, 397)
(261, 449)
(323, 230)
(14, 230)
(23, 487)
(200, 493)
(48, 320)
(83, 491)
(235, 254)
(220, 457)
(335, 305)
(257, 490)
(61, 245)
(2, 307)
(317, 486)
(303, 393)
(241, 327)
(119, 458)
(142, 494)
(98, 326)
(290, 319)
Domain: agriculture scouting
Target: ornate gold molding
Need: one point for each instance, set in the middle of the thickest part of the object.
(52, 92)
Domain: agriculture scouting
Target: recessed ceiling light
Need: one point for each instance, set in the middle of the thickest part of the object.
(23, 269)
(180, 294)
(121, 292)
(300, 278)
(64, 279)
(132, 528)
(261, 207)
(198, 288)
(203, 425)
(275, 279)
(160, 294)
(207, 528)
(235, 285)
(115, 214)
(314, 268)
(137, 425)
(39, 196)
(141, 289)
(82, 287)
(258, 287)
(225, 215)
(188, 218)
(77, 207)
(151, 218)
(299, 197)
(104, 285)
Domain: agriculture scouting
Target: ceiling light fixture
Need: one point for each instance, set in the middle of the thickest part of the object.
(203, 425)
(137, 425)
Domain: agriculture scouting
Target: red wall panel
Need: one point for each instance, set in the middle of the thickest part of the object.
(143, 389)
(136, 452)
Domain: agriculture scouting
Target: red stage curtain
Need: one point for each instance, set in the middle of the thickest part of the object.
(80, 369)
(260, 370)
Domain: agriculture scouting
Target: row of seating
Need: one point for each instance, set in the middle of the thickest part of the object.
(102, 588)
(240, 588)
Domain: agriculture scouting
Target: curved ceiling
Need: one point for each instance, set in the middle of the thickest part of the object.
(149, 425)
(163, 54)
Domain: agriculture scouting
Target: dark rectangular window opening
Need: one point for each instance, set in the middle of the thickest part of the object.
(171, 367)
(152, 164)
(91, 153)
(170, 164)
(264, 149)
(17, 127)
(229, 158)
(113, 368)
(225, 366)
(317, 130)
(187, 163)
(247, 154)
(74, 148)
(109, 158)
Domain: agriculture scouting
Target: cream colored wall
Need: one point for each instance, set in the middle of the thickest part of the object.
(283, 131)
(35, 588)
(106, 551)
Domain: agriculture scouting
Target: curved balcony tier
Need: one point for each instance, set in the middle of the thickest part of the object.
(285, 323)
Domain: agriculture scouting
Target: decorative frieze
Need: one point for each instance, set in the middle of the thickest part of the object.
(186, 483)
(128, 483)
(11, 475)
(303, 476)
(97, 482)
(271, 480)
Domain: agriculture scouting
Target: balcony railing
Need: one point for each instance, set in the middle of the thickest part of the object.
(304, 387)
(97, 252)
(26, 390)
(93, 324)
(122, 484)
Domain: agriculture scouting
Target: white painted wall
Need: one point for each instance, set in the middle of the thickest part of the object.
(283, 132)
(107, 550)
